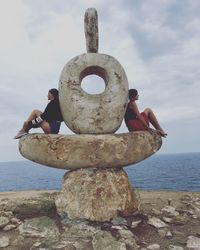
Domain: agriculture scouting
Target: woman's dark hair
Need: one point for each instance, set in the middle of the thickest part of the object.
(54, 92)
(132, 93)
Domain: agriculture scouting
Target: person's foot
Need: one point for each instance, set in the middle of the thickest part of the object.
(161, 132)
(20, 134)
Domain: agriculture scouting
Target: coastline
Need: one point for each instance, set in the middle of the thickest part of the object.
(165, 220)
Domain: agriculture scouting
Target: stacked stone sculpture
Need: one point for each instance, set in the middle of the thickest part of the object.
(96, 187)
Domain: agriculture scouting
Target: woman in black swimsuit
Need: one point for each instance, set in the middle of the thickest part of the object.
(49, 120)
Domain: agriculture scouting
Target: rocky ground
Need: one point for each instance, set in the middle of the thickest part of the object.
(166, 221)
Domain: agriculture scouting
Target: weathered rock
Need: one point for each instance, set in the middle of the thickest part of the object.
(36, 245)
(172, 247)
(4, 241)
(18, 242)
(64, 245)
(97, 195)
(119, 221)
(194, 207)
(41, 227)
(91, 30)
(74, 243)
(92, 236)
(166, 219)
(193, 243)
(117, 227)
(194, 216)
(135, 223)
(8, 214)
(169, 235)
(171, 211)
(156, 211)
(162, 232)
(79, 229)
(15, 221)
(28, 207)
(85, 113)
(128, 238)
(9, 227)
(82, 230)
(156, 222)
(78, 234)
(181, 220)
(154, 247)
(3, 221)
(83, 151)
(107, 242)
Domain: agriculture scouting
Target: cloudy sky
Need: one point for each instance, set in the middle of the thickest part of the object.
(156, 41)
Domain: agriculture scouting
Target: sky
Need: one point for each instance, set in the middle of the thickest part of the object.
(156, 41)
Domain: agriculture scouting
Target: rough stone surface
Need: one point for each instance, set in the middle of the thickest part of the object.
(97, 195)
(162, 232)
(28, 207)
(85, 113)
(91, 30)
(80, 234)
(107, 242)
(173, 247)
(39, 227)
(166, 219)
(3, 221)
(193, 243)
(153, 247)
(9, 227)
(135, 223)
(156, 222)
(169, 235)
(4, 242)
(83, 151)
(171, 211)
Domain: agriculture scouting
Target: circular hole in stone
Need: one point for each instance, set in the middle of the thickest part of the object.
(93, 84)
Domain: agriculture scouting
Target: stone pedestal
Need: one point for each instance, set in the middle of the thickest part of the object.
(97, 195)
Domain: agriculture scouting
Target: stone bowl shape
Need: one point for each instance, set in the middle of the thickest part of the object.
(89, 151)
(87, 113)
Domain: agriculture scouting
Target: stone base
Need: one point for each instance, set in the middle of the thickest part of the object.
(97, 195)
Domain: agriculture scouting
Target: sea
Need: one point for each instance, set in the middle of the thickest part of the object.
(172, 172)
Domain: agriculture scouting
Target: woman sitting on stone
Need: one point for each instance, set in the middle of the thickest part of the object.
(49, 120)
(136, 121)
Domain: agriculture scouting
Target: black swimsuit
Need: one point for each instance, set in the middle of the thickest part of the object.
(52, 114)
(129, 115)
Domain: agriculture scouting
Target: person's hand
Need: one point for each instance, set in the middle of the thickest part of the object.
(151, 130)
(161, 132)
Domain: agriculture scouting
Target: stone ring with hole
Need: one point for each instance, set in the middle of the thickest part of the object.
(86, 113)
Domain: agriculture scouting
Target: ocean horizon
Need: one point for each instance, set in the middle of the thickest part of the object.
(172, 172)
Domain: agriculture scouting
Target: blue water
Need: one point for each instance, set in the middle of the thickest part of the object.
(177, 172)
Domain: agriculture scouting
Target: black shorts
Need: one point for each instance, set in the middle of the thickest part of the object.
(55, 127)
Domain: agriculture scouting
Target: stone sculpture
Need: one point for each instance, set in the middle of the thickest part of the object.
(96, 187)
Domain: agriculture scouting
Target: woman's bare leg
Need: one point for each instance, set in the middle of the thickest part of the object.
(153, 120)
(45, 127)
(35, 113)
(26, 127)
